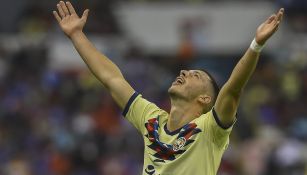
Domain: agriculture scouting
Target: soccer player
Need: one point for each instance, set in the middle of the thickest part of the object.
(193, 136)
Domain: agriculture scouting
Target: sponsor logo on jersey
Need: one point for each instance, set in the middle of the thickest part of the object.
(150, 170)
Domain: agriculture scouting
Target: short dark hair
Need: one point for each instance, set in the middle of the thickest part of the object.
(215, 86)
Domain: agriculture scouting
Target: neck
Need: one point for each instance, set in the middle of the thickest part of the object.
(182, 112)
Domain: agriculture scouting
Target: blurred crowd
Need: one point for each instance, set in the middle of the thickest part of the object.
(63, 122)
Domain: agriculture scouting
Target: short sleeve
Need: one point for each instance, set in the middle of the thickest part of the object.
(215, 131)
(138, 110)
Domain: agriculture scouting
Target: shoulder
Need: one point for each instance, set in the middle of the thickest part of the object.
(213, 118)
(138, 103)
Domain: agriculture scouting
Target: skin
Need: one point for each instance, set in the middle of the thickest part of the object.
(191, 95)
(188, 99)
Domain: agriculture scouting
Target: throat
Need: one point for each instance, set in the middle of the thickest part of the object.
(179, 117)
(174, 123)
(182, 112)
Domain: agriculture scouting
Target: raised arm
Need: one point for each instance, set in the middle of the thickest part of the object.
(228, 99)
(102, 67)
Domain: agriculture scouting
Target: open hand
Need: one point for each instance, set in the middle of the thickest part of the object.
(68, 19)
(269, 27)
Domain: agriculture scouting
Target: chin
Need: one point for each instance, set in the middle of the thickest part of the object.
(174, 91)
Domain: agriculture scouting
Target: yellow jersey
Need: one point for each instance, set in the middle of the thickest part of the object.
(194, 149)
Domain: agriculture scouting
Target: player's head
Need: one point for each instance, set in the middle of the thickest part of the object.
(195, 86)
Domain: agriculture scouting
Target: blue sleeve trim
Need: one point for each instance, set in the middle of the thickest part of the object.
(132, 98)
(218, 121)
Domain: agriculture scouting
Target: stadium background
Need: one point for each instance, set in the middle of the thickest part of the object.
(56, 119)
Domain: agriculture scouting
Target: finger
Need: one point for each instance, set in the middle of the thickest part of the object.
(85, 15)
(277, 23)
(280, 14)
(276, 26)
(270, 19)
(65, 9)
(62, 14)
(70, 8)
(57, 17)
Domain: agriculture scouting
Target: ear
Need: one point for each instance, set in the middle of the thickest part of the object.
(204, 99)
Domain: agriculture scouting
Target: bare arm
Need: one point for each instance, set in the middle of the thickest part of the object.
(228, 99)
(102, 67)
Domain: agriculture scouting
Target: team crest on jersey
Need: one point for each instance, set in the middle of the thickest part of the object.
(165, 151)
(179, 143)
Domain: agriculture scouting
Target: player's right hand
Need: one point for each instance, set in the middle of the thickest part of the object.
(68, 19)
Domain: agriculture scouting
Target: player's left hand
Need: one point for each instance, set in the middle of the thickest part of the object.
(269, 27)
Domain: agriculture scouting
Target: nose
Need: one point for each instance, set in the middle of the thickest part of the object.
(184, 72)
